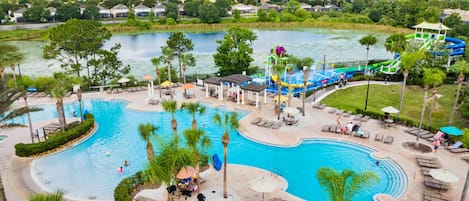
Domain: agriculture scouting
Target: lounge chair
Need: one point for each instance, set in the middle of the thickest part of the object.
(326, 128)
(408, 130)
(277, 125)
(455, 145)
(427, 136)
(331, 111)
(358, 117)
(365, 118)
(466, 158)
(459, 150)
(429, 164)
(430, 196)
(426, 157)
(261, 122)
(268, 124)
(366, 135)
(347, 114)
(256, 120)
(388, 140)
(378, 137)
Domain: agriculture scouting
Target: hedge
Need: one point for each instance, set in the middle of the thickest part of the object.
(55, 141)
(397, 120)
(124, 190)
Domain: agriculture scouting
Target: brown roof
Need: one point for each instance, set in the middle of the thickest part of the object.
(212, 80)
(254, 87)
(236, 78)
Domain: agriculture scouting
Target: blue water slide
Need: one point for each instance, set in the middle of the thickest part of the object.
(457, 46)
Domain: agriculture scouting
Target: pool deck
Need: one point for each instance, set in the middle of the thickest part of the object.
(18, 183)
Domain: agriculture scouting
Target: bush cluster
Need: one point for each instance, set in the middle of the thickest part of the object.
(55, 141)
(124, 190)
(397, 120)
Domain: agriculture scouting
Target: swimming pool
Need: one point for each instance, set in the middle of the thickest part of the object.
(86, 171)
(3, 137)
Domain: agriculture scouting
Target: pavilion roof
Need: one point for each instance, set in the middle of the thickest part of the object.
(431, 26)
(254, 87)
(236, 78)
(213, 80)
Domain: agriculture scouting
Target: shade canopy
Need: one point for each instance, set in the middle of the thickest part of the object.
(282, 98)
(188, 86)
(451, 130)
(263, 184)
(444, 175)
(147, 77)
(431, 26)
(186, 172)
(291, 110)
(123, 80)
(167, 83)
(390, 109)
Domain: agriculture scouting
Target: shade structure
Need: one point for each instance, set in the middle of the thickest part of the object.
(282, 98)
(186, 172)
(147, 77)
(444, 175)
(263, 185)
(123, 80)
(451, 130)
(390, 109)
(188, 86)
(166, 83)
(291, 110)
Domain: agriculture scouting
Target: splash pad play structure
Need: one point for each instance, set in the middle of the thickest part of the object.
(427, 35)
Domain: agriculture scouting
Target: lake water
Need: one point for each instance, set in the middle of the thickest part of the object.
(138, 49)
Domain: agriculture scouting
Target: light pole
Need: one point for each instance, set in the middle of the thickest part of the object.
(367, 90)
(305, 81)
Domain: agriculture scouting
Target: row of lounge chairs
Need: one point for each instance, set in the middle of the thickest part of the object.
(128, 89)
(259, 121)
(333, 129)
(433, 186)
(427, 135)
(319, 106)
(361, 117)
(387, 140)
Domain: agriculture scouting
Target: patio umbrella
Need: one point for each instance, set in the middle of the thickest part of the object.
(263, 185)
(291, 110)
(186, 172)
(188, 86)
(123, 80)
(147, 77)
(390, 109)
(166, 83)
(451, 130)
(443, 175)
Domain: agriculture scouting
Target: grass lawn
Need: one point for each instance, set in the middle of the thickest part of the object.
(381, 96)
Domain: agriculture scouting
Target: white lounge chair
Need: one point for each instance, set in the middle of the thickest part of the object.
(455, 145)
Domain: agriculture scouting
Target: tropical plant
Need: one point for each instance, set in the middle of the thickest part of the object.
(408, 61)
(431, 77)
(56, 196)
(278, 69)
(461, 67)
(341, 186)
(171, 106)
(196, 138)
(7, 97)
(62, 85)
(9, 55)
(193, 109)
(146, 131)
(168, 56)
(156, 62)
(395, 43)
(228, 122)
(187, 60)
(367, 41)
(180, 45)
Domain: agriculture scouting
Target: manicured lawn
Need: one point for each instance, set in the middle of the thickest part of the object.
(388, 95)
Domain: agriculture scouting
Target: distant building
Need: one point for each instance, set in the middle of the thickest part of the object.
(119, 10)
(464, 14)
(331, 7)
(53, 13)
(104, 12)
(318, 8)
(268, 6)
(306, 6)
(245, 9)
(159, 10)
(18, 15)
(142, 10)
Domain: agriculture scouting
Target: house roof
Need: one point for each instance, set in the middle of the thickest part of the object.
(52, 9)
(431, 26)
(254, 87)
(141, 6)
(119, 6)
(242, 7)
(318, 7)
(331, 6)
(305, 5)
(160, 6)
(236, 78)
(102, 8)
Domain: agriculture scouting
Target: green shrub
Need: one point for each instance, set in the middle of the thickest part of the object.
(55, 141)
(464, 110)
(397, 120)
(124, 190)
(465, 137)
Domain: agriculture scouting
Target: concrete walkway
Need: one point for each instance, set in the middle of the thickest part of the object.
(16, 176)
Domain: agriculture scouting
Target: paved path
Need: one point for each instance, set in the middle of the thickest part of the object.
(16, 176)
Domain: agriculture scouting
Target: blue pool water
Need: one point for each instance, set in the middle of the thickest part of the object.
(86, 171)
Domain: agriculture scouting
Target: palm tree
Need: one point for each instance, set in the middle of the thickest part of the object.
(395, 43)
(156, 62)
(228, 122)
(196, 138)
(408, 61)
(62, 84)
(171, 106)
(168, 55)
(193, 109)
(146, 131)
(367, 41)
(431, 77)
(430, 109)
(278, 69)
(8, 55)
(461, 67)
(56, 196)
(341, 186)
(7, 97)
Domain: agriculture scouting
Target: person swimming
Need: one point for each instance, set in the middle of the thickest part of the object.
(121, 170)
(377, 163)
(126, 163)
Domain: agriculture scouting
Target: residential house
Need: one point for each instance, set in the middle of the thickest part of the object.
(306, 6)
(464, 14)
(104, 12)
(245, 9)
(142, 10)
(82, 9)
(331, 7)
(119, 10)
(181, 9)
(318, 8)
(53, 13)
(159, 10)
(18, 15)
(268, 6)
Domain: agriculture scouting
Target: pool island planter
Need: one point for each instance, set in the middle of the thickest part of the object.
(58, 141)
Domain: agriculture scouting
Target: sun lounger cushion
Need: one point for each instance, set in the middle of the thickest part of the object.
(388, 140)
(357, 117)
(325, 128)
(256, 120)
(455, 145)
(459, 150)
(378, 137)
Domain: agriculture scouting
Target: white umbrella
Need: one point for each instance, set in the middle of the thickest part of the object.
(443, 175)
(291, 110)
(390, 109)
(123, 80)
(263, 185)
